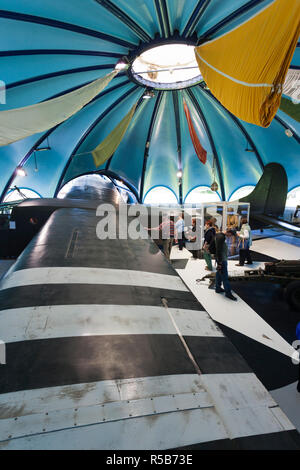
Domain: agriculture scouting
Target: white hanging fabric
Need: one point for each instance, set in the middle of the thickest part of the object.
(16, 124)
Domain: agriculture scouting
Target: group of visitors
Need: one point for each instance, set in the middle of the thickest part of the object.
(215, 244)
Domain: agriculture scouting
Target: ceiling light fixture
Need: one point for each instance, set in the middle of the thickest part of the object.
(289, 133)
(122, 64)
(42, 149)
(20, 171)
(148, 94)
(248, 149)
(179, 174)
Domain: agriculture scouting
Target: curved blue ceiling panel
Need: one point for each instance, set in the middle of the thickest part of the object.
(296, 58)
(275, 146)
(51, 48)
(238, 167)
(21, 35)
(220, 16)
(162, 163)
(194, 172)
(129, 158)
(180, 13)
(142, 12)
(63, 141)
(83, 163)
(12, 155)
(88, 14)
(16, 69)
(25, 95)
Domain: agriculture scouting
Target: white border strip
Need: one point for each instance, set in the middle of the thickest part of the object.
(62, 321)
(79, 275)
(255, 85)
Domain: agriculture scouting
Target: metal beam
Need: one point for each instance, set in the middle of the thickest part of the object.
(178, 138)
(87, 133)
(121, 15)
(163, 17)
(58, 74)
(148, 141)
(240, 126)
(228, 19)
(12, 15)
(43, 137)
(211, 140)
(195, 17)
(69, 90)
(29, 52)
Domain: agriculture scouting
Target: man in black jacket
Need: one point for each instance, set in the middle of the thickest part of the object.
(209, 234)
(222, 271)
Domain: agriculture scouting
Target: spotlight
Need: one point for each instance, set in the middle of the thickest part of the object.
(20, 171)
(289, 133)
(148, 94)
(179, 174)
(248, 149)
(121, 64)
(42, 149)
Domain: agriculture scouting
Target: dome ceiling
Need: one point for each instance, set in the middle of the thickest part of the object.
(52, 47)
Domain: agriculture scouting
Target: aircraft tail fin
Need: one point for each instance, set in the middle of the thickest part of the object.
(270, 193)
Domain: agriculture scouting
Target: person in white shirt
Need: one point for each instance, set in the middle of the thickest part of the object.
(245, 241)
(179, 231)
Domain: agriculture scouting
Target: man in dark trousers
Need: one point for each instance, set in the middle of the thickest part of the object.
(209, 234)
(221, 258)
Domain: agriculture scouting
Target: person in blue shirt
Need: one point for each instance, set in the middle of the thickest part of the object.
(298, 337)
(179, 232)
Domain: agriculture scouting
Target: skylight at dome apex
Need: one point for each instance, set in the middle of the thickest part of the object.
(167, 65)
(51, 48)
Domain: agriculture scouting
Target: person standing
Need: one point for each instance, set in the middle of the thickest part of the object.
(222, 270)
(209, 234)
(179, 232)
(192, 238)
(166, 230)
(245, 241)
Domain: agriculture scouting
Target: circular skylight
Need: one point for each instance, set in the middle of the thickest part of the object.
(170, 66)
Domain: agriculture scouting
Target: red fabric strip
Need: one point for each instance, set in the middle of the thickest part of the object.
(200, 151)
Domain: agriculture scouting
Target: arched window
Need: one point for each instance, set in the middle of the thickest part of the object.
(241, 192)
(95, 179)
(202, 194)
(82, 181)
(159, 196)
(19, 194)
(293, 198)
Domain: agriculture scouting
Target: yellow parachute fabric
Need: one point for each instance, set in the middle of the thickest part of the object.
(245, 69)
(110, 144)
